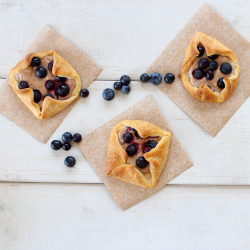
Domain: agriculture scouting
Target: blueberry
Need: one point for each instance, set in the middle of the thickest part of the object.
(146, 149)
(49, 96)
(131, 150)
(49, 85)
(77, 137)
(213, 65)
(226, 68)
(144, 77)
(221, 83)
(37, 96)
(169, 78)
(23, 85)
(203, 63)
(209, 74)
(35, 62)
(125, 80)
(141, 162)
(84, 93)
(62, 90)
(56, 145)
(50, 65)
(214, 57)
(201, 51)
(155, 78)
(117, 85)
(108, 94)
(127, 137)
(70, 161)
(41, 72)
(67, 137)
(198, 73)
(66, 146)
(151, 144)
(61, 79)
(126, 89)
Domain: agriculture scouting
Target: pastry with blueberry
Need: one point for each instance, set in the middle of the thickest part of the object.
(45, 82)
(137, 152)
(210, 70)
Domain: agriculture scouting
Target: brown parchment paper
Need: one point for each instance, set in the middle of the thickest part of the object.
(211, 116)
(12, 107)
(94, 147)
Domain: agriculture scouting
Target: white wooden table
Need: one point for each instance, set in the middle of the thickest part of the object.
(44, 205)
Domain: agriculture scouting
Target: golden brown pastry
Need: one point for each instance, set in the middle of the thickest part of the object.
(210, 70)
(137, 152)
(45, 82)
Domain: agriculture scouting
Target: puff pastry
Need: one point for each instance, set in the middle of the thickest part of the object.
(45, 82)
(205, 85)
(144, 166)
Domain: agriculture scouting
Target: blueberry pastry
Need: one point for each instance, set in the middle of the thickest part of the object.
(137, 152)
(45, 82)
(210, 70)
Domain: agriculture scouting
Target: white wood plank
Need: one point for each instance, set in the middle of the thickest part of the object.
(221, 160)
(43, 216)
(124, 37)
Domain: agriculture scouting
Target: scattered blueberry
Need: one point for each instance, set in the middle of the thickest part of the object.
(213, 65)
(141, 162)
(117, 85)
(108, 94)
(23, 85)
(155, 78)
(77, 137)
(67, 137)
(41, 72)
(221, 83)
(127, 137)
(61, 79)
(70, 161)
(201, 51)
(84, 93)
(144, 77)
(203, 63)
(56, 145)
(131, 150)
(126, 89)
(125, 80)
(49, 96)
(66, 146)
(214, 57)
(37, 96)
(209, 74)
(50, 65)
(198, 73)
(35, 62)
(226, 68)
(169, 78)
(49, 85)
(62, 90)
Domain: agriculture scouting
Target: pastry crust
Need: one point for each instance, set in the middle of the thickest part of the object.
(117, 156)
(50, 106)
(212, 46)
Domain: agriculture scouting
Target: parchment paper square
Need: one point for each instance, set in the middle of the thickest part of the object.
(94, 147)
(12, 107)
(211, 116)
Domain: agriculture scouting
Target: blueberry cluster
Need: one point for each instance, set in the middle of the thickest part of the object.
(67, 137)
(156, 78)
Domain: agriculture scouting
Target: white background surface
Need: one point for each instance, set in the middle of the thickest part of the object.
(124, 37)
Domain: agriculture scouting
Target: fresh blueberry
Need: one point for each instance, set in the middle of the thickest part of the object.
(141, 162)
(49, 85)
(198, 73)
(56, 145)
(127, 137)
(144, 77)
(37, 96)
(35, 62)
(108, 94)
(214, 57)
(203, 63)
(41, 72)
(50, 65)
(226, 68)
(131, 150)
(84, 93)
(169, 78)
(201, 51)
(213, 65)
(125, 80)
(208, 85)
(221, 83)
(61, 79)
(23, 85)
(77, 137)
(209, 74)
(155, 78)
(62, 90)
(66, 146)
(67, 137)
(126, 89)
(70, 161)
(49, 95)
(117, 85)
